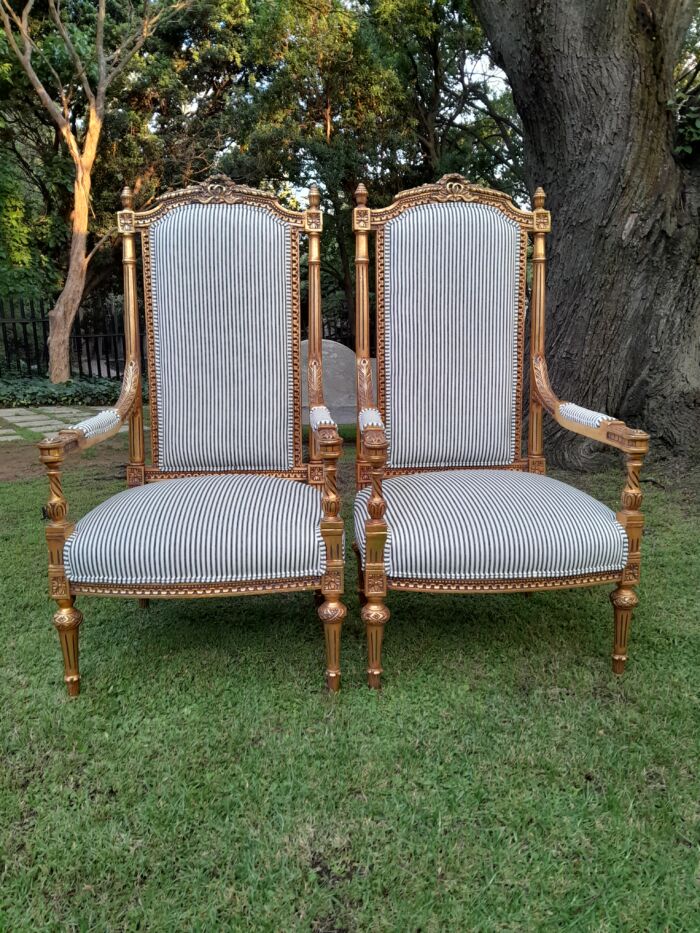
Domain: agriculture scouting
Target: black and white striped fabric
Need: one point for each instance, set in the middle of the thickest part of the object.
(98, 424)
(592, 419)
(202, 529)
(493, 525)
(222, 321)
(451, 311)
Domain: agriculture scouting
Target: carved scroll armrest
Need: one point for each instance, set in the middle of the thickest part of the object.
(105, 424)
(594, 424)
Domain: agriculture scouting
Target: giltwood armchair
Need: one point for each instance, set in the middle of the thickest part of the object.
(446, 501)
(226, 506)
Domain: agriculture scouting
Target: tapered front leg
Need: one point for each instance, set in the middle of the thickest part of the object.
(624, 600)
(67, 622)
(332, 613)
(375, 615)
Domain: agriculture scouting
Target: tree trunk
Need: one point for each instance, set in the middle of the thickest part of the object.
(63, 314)
(591, 80)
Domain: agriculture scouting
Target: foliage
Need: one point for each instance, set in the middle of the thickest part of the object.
(277, 93)
(503, 778)
(686, 103)
(20, 391)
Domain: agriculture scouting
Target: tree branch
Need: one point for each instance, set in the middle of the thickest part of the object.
(24, 57)
(55, 14)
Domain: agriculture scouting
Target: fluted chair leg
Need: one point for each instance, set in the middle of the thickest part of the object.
(624, 600)
(144, 603)
(67, 621)
(375, 615)
(332, 612)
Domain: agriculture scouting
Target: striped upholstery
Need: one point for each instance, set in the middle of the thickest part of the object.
(222, 321)
(201, 529)
(370, 418)
(592, 419)
(492, 525)
(319, 415)
(451, 309)
(98, 424)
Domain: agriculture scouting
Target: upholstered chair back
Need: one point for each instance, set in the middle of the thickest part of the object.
(223, 341)
(452, 306)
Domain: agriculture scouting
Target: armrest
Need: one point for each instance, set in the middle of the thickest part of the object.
(583, 421)
(320, 416)
(105, 424)
(372, 429)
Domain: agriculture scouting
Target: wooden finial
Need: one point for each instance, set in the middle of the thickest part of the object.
(127, 198)
(314, 197)
(538, 199)
(360, 195)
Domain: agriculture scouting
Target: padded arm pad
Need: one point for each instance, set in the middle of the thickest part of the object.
(592, 419)
(320, 416)
(101, 423)
(370, 418)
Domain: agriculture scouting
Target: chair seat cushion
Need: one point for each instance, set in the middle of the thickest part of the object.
(200, 529)
(492, 525)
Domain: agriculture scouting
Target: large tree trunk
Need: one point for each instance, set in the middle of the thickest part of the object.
(591, 80)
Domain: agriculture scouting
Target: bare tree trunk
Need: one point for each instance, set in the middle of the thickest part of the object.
(591, 80)
(62, 315)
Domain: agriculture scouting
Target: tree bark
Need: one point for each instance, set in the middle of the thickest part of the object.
(62, 315)
(591, 81)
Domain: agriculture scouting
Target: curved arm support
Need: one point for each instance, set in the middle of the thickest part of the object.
(103, 425)
(596, 425)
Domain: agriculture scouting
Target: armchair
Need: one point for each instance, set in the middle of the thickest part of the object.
(446, 500)
(226, 505)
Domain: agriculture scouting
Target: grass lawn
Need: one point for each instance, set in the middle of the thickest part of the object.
(504, 779)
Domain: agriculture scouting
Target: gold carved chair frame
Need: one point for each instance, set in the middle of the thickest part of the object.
(325, 444)
(372, 443)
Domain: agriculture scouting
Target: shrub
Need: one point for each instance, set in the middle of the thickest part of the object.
(18, 391)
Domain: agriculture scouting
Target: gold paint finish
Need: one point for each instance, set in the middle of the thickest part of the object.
(325, 446)
(372, 442)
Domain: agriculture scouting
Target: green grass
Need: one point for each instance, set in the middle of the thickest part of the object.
(503, 779)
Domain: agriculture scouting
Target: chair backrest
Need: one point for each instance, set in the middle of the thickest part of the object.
(221, 285)
(450, 311)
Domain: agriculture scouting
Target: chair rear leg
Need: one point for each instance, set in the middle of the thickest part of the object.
(624, 600)
(360, 576)
(67, 622)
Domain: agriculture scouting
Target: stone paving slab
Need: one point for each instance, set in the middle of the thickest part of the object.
(44, 420)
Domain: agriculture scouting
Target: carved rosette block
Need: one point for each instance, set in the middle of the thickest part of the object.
(316, 474)
(624, 600)
(135, 474)
(67, 621)
(126, 222)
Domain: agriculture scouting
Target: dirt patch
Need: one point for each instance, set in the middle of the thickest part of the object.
(20, 460)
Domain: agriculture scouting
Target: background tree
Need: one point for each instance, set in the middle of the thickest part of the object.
(594, 85)
(80, 53)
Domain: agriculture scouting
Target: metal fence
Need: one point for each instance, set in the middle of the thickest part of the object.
(97, 346)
